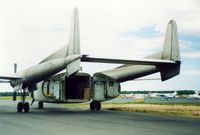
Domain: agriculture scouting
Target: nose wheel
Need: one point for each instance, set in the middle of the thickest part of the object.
(95, 105)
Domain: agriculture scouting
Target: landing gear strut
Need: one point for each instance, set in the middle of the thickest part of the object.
(23, 105)
(95, 105)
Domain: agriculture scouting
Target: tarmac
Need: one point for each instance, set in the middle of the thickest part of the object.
(55, 119)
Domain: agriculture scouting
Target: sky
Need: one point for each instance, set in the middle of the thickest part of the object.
(30, 30)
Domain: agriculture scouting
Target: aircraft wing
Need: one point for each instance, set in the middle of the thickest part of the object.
(155, 62)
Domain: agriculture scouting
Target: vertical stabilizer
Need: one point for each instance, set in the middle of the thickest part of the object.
(74, 41)
(171, 52)
(74, 44)
(171, 44)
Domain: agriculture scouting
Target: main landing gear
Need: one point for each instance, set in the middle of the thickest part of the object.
(95, 105)
(23, 105)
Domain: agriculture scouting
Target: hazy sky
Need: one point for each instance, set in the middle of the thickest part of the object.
(31, 30)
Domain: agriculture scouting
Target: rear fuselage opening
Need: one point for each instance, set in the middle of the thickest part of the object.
(78, 86)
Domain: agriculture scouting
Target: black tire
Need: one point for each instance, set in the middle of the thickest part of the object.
(98, 106)
(40, 105)
(26, 107)
(92, 105)
(20, 107)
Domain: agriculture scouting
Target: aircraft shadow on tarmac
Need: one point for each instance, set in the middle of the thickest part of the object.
(63, 111)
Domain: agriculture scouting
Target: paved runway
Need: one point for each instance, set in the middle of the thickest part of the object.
(57, 120)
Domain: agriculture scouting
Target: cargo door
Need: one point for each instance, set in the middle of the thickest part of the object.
(104, 87)
(99, 90)
(113, 89)
(57, 89)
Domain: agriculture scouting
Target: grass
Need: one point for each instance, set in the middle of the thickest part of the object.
(164, 109)
(6, 98)
(184, 109)
(11, 98)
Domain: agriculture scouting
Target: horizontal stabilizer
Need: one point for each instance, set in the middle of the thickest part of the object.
(130, 62)
(9, 77)
(4, 81)
(147, 79)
